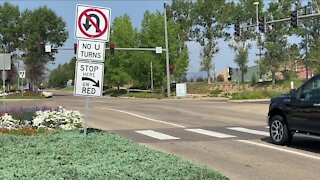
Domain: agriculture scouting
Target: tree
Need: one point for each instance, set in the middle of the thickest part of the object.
(41, 24)
(208, 28)
(244, 13)
(310, 34)
(10, 31)
(151, 35)
(59, 76)
(276, 42)
(119, 65)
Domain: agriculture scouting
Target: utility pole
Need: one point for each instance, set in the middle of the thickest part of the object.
(151, 76)
(167, 48)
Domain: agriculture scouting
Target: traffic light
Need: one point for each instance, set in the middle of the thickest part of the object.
(229, 73)
(75, 48)
(237, 30)
(171, 68)
(294, 19)
(112, 46)
(262, 24)
(42, 45)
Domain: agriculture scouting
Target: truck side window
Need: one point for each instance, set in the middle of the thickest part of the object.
(311, 91)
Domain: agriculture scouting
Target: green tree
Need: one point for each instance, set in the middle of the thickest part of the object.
(119, 65)
(208, 28)
(244, 13)
(59, 76)
(276, 39)
(41, 24)
(308, 30)
(152, 35)
(10, 31)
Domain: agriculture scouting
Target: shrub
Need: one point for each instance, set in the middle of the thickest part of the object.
(60, 118)
(40, 117)
(215, 93)
(255, 95)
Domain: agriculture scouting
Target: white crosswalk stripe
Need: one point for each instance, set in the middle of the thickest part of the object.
(250, 131)
(210, 133)
(156, 135)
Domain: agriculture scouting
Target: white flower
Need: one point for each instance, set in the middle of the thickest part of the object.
(62, 118)
(7, 121)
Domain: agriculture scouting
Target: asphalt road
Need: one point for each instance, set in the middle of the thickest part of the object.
(229, 137)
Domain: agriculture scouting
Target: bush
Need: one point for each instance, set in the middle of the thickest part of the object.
(146, 95)
(254, 95)
(215, 93)
(220, 78)
(43, 117)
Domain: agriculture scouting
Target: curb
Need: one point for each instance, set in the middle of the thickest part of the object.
(250, 100)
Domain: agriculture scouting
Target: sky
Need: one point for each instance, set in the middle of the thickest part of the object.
(135, 9)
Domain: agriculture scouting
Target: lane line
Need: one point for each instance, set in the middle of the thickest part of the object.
(250, 131)
(156, 135)
(280, 149)
(143, 117)
(210, 133)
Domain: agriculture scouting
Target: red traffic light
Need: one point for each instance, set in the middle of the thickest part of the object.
(171, 67)
(112, 46)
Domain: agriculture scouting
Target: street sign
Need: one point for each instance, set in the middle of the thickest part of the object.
(91, 50)
(22, 74)
(89, 79)
(181, 89)
(92, 22)
(5, 61)
(158, 50)
(47, 48)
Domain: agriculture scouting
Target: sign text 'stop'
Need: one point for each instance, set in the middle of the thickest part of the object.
(92, 23)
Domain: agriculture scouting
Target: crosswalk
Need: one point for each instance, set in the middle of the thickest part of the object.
(232, 132)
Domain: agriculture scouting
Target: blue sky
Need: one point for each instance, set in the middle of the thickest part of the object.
(135, 9)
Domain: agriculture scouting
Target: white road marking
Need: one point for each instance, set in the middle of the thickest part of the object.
(250, 131)
(143, 117)
(281, 149)
(156, 135)
(210, 133)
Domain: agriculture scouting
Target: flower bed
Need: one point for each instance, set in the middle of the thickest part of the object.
(39, 118)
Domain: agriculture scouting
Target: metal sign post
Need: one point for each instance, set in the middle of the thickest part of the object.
(86, 116)
(93, 24)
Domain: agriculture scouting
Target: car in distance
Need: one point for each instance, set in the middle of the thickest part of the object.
(298, 111)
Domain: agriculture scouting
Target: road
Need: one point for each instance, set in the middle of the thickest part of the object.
(229, 137)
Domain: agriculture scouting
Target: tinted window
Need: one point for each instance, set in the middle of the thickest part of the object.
(311, 91)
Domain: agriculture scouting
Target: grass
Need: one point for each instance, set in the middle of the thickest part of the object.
(26, 95)
(124, 93)
(255, 95)
(99, 155)
(67, 89)
(215, 93)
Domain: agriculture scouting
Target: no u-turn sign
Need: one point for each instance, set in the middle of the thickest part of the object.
(92, 23)
(91, 50)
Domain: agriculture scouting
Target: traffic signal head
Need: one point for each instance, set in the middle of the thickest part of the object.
(171, 67)
(42, 45)
(262, 24)
(294, 19)
(237, 30)
(230, 71)
(112, 46)
(75, 48)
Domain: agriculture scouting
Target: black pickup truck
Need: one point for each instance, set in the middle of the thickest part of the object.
(298, 111)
